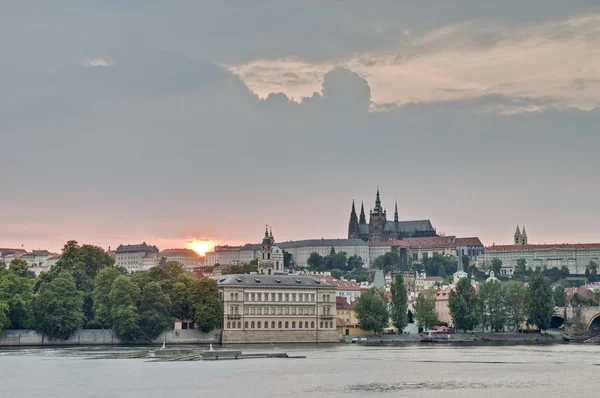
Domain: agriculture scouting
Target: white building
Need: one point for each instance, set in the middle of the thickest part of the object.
(189, 258)
(133, 257)
(270, 261)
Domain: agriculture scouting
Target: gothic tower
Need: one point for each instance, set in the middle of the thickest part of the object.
(396, 213)
(518, 236)
(353, 225)
(363, 218)
(524, 237)
(377, 220)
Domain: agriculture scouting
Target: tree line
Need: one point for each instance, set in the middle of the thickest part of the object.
(85, 289)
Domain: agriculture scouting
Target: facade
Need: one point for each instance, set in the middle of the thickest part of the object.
(131, 257)
(277, 309)
(348, 290)
(39, 259)
(347, 323)
(224, 255)
(189, 258)
(576, 257)
(380, 228)
(441, 305)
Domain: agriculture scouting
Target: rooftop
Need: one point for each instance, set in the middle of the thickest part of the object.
(270, 280)
(568, 246)
(143, 247)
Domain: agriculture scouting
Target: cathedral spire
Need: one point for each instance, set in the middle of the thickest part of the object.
(396, 213)
(363, 218)
(266, 231)
(353, 212)
(353, 224)
(377, 208)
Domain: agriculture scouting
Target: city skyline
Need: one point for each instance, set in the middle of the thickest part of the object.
(117, 130)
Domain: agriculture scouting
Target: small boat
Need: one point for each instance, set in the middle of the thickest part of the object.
(434, 336)
(567, 339)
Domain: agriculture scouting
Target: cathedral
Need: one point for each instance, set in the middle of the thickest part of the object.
(379, 229)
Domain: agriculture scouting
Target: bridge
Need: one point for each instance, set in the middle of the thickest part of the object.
(578, 321)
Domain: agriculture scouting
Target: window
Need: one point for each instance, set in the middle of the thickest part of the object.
(294, 325)
(258, 325)
(266, 324)
(324, 298)
(279, 324)
(280, 296)
(245, 310)
(306, 325)
(240, 325)
(287, 324)
(312, 325)
(233, 325)
(231, 310)
(300, 310)
(252, 325)
(273, 325)
(331, 325)
(252, 310)
(230, 296)
(321, 325)
(287, 297)
(258, 296)
(300, 325)
(246, 324)
(279, 310)
(272, 296)
(286, 310)
(312, 297)
(253, 297)
(228, 325)
(236, 297)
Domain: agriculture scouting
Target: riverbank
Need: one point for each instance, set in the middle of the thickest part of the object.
(507, 337)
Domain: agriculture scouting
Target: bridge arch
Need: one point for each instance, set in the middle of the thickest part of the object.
(594, 324)
(556, 321)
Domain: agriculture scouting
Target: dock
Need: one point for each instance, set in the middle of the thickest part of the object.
(183, 355)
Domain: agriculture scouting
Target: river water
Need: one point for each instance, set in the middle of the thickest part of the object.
(328, 371)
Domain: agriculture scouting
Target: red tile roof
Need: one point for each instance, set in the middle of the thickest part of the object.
(339, 323)
(568, 246)
(431, 242)
(342, 304)
(472, 241)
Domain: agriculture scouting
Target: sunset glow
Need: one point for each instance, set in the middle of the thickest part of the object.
(201, 246)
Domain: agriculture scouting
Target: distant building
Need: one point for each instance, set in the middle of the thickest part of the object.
(348, 290)
(347, 323)
(187, 257)
(270, 261)
(277, 309)
(37, 258)
(576, 257)
(136, 257)
(380, 228)
(441, 305)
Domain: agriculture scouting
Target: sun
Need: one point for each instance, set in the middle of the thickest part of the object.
(201, 246)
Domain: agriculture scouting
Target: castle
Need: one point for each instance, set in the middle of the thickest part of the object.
(379, 229)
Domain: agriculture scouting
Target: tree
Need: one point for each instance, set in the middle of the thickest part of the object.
(521, 272)
(492, 309)
(399, 303)
(516, 298)
(425, 312)
(541, 301)
(387, 262)
(336, 273)
(102, 288)
(354, 261)
(239, 269)
(314, 261)
(205, 303)
(287, 260)
(433, 264)
(4, 319)
(463, 305)
(154, 310)
(497, 266)
(16, 291)
(123, 298)
(168, 270)
(180, 307)
(591, 272)
(19, 267)
(560, 296)
(58, 307)
(371, 310)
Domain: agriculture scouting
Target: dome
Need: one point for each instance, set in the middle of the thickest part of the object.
(276, 250)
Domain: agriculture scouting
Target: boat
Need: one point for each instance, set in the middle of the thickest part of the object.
(434, 336)
(567, 339)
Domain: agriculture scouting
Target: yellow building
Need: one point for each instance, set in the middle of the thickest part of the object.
(346, 322)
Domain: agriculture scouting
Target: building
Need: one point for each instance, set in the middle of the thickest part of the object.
(441, 305)
(187, 257)
(379, 228)
(349, 290)
(277, 309)
(134, 257)
(270, 261)
(576, 257)
(347, 323)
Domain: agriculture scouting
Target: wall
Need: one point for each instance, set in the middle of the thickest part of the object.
(280, 336)
(102, 337)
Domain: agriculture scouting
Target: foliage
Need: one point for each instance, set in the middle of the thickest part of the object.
(141, 278)
(16, 291)
(371, 310)
(58, 307)
(102, 288)
(399, 303)
(287, 260)
(332, 261)
(521, 271)
(314, 261)
(463, 305)
(19, 267)
(154, 310)
(354, 262)
(387, 262)
(409, 315)
(4, 318)
(591, 272)
(122, 299)
(426, 315)
(560, 296)
(205, 304)
(168, 270)
(583, 301)
(491, 306)
(336, 273)
(497, 266)
(516, 299)
(541, 301)
(555, 274)
(359, 275)
(436, 263)
(239, 269)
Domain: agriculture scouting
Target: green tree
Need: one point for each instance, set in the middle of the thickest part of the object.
(123, 299)
(591, 272)
(541, 301)
(58, 307)
(166, 271)
(433, 264)
(560, 296)
(102, 287)
(154, 310)
(564, 270)
(521, 272)
(287, 260)
(314, 261)
(425, 312)
(239, 269)
(336, 273)
(371, 310)
(462, 303)
(205, 303)
(354, 261)
(19, 267)
(516, 299)
(16, 291)
(497, 266)
(491, 305)
(181, 308)
(399, 303)
(4, 318)
(387, 262)
(141, 278)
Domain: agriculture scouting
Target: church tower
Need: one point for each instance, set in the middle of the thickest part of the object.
(271, 257)
(363, 218)
(353, 225)
(377, 220)
(396, 213)
(524, 237)
(518, 236)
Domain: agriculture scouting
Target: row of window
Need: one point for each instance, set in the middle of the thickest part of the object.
(278, 325)
(290, 297)
(279, 310)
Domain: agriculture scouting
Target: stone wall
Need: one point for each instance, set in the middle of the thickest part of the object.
(280, 336)
(17, 338)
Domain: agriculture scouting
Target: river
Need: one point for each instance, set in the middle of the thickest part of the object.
(328, 371)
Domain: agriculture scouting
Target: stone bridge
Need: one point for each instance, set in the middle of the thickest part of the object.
(578, 321)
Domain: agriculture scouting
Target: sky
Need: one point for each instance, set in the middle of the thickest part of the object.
(202, 121)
